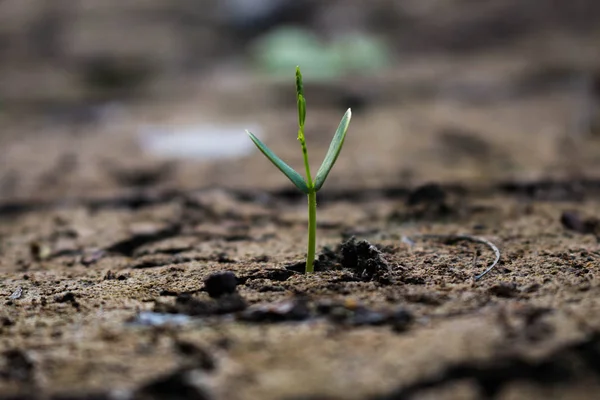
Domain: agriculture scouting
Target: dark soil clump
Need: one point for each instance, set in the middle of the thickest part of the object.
(220, 283)
(192, 306)
(296, 309)
(364, 260)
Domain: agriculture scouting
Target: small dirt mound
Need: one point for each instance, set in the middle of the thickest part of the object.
(363, 259)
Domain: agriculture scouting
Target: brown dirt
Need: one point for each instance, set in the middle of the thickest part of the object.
(85, 255)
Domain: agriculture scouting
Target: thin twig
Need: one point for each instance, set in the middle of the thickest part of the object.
(469, 238)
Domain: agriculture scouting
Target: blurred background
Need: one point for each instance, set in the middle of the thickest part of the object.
(101, 97)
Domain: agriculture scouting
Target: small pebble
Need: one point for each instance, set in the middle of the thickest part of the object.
(220, 283)
(17, 293)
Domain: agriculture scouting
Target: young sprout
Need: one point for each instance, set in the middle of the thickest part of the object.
(309, 186)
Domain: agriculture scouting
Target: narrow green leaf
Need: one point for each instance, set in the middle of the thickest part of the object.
(334, 150)
(288, 171)
(301, 110)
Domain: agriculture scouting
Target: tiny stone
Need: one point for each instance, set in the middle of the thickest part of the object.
(68, 297)
(220, 283)
(17, 293)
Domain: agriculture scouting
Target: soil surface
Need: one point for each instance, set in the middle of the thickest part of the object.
(127, 276)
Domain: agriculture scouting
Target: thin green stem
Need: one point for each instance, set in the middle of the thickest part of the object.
(312, 230)
(312, 207)
(309, 181)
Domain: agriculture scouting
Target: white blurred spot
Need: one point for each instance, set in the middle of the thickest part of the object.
(198, 142)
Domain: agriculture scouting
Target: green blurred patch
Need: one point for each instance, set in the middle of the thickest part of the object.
(280, 50)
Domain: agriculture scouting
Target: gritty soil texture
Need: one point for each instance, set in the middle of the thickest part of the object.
(124, 276)
(210, 302)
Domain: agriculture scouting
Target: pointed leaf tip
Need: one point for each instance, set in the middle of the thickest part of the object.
(299, 85)
(334, 150)
(288, 171)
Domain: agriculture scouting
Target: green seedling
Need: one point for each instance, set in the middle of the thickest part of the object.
(308, 186)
